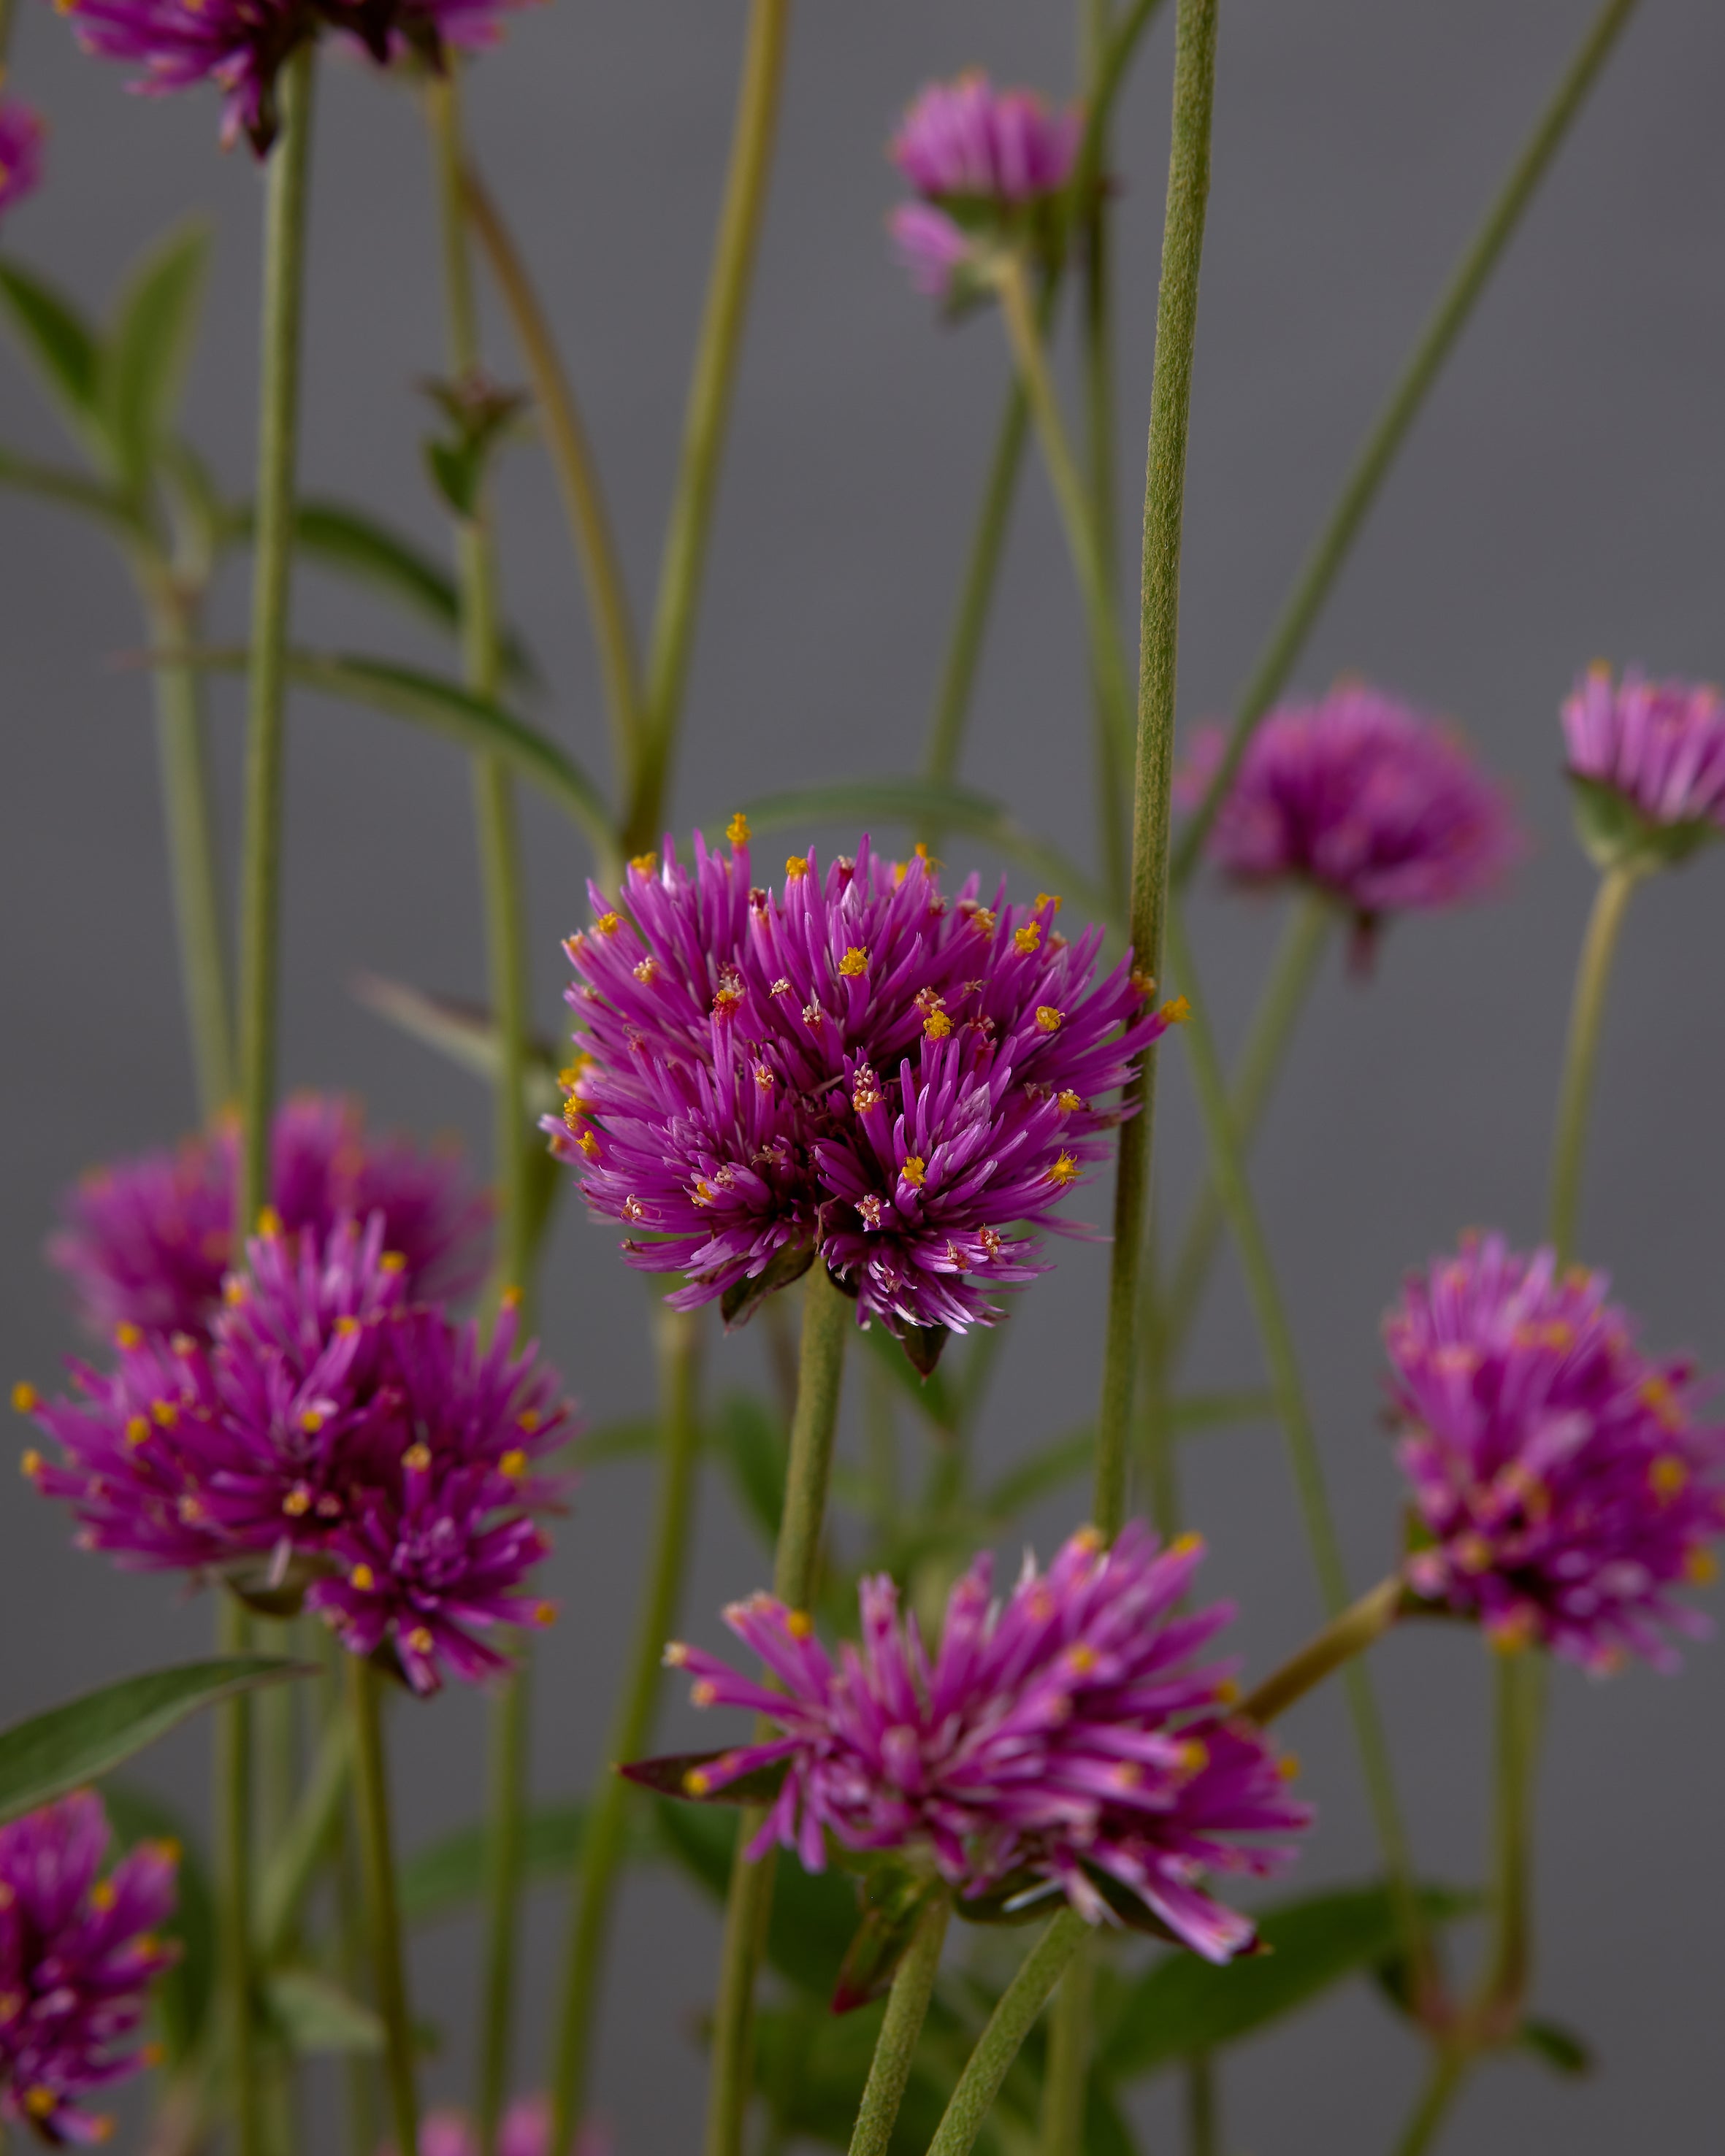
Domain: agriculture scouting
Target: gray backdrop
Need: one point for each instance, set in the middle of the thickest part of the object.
(1559, 501)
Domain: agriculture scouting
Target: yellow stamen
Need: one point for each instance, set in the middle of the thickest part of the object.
(1065, 1170)
(127, 1336)
(914, 1171)
(1176, 1012)
(311, 1421)
(937, 1025)
(696, 1784)
(608, 924)
(589, 1145)
(1047, 1019)
(796, 867)
(166, 1412)
(1288, 1766)
(420, 1640)
(982, 920)
(347, 1327)
(1068, 1101)
(1028, 938)
(1701, 1567)
(138, 1429)
(1194, 1757)
(417, 1458)
(30, 1466)
(269, 1223)
(737, 830)
(25, 1399)
(854, 962)
(297, 1504)
(393, 1261)
(1667, 1475)
(529, 1419)
(363, 1579)
(799, 1624)
(1190, 1544)
(1048, 898)
(1088, 1538)
(644, 864)
(40, 2102)
(510, 1298)
(102, 1895)
(545, 1613)
(514, 1464)
(1143, 984)
(1227, 1692)
(1083, 1660)
(703, 1691)
(675, 1654)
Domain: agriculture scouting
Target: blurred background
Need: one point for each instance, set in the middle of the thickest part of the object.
(1559, 501)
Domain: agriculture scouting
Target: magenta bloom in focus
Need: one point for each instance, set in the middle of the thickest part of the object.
(21, 135)
(1065, 1741)
(1359, 795)
(1648, 758)
(78, 1955)
(1563, 1478)
(146, 1242)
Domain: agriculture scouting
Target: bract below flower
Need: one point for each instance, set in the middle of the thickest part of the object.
(1648, 760)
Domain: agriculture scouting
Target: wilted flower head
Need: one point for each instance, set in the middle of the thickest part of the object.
(328, 1433)
(856, 1067)
(1065, 1741)
(1648, 760)
(146, 1242)
(1361, 796)
(78, 1955)
(524, 2130)
(21, 133)
(1561, 1478)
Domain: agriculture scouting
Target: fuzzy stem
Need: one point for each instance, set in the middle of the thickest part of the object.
(1391, 429)
(895, 2047)
(1519, 1699)
(1203, 2122)
(1066, 2077)
(272, 571)
(1442, 2086)
(828, 1317)
(1358, 1627)
(233, 1809)
(371, 1788)
(1164, 499)
(600, 1863)
(1581, 1058)
(1001, 2041)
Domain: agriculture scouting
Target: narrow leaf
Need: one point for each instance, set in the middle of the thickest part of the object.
(51, 1753)
(464, 1032)
(143, 364)
(183, 1990)
(313, 2014)
(892, 1903)
(450, 1876)
(683, 1774)
(1559, 2048)
(70, 489)
(59, 344)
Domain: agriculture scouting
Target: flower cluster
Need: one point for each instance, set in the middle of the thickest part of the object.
(1562, 1480)
(330, 1437)
(986, 166)
(21, 133)
(1647, 759)
(147, 1242)
(1065, 1742)
(856, 1066)
(524, 2130)
(78, 1955)
(1360, 796)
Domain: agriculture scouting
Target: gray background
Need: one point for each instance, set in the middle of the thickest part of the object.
(1559, 501)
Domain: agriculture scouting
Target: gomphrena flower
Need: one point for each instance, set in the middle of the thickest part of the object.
(1065, 1741)
(1647, 759)
(78, 1955)
(1563, 1482)
(241, 45)
(146, 1242)
(524, 2130)
(21, 135)
(1359, 795)
(856, 1067)
(987, 166)
(331, 1438)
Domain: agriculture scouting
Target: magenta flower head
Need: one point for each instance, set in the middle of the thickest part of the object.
(147, 1242)
(1066, 1741)
(330, 1441)
(21, 137)
(1647, 761)
(856, 1068)
(78, 1955)
(1564, 1484)
(1359, 796)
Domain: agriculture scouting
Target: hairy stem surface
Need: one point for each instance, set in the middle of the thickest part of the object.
(895, 2048)
(1581, 1057)
(377, 1859)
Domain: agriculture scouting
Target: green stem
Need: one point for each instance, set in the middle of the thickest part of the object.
(1066, 2078)
(362, 2074)
(895, 2047)
(1444, 2084)
(596, 1881)
(233, 1801)
(505, 1859)
(827, 1318)
(377, 1857)
(1390, 429)
(1519, 1699)
(710, 405)
(1001, 2041)
(1164, 501)
(1229, 1171)
(1346, 1634)
(309, 1836)
(1586, 1015)
(272, 569)
(1203, 2121)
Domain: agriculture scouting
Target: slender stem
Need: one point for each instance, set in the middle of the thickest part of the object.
(1444, 2084)
(1390, 429)
(1519, 1699)
(272, 570)
(1001, 2041)
(1581, 1058)
(710, 405)
(377, 1857)
(505, 1859)
(1349, 1634)
(293, 1859)
(895, 2047)
(362, 2074)
(596, 1880)
(1164, 501)
(233, 1801)
(577, 471)
(1203, 2107)
(1284, 1367)
(827, 1322)
(1066, 2076)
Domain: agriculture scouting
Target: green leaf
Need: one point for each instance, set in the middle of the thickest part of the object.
(672, 1774)
(61, 346)
(1182, 2004)
(753, 1444)
(143, 364)
(892, 1903)
(68, 1746)
(312, 2013)
(743, 1297)
(69, 489)
(1559, 2048)
(455, 469)
(924, 804)
(814, 1913)
(449, 1875)
(462, 1031)
(182, 1992)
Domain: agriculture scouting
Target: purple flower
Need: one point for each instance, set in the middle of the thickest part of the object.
(1361, 796)
(1648, 759)
(330, 1437)
(931, 249)
(21, 135)
(78, 1955)
(146, 1242)
(524, 2130)
(1561, 1476)
(1067, 1741)
(856, 1067)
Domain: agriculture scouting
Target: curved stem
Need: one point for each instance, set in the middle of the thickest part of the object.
(377, 1856)
(1001, 2041)
(895, 2047)
(596, 1879)
(272, 568)
(1390, 428)
(1066, 2076)
(1581, 1057)
(828, 1317)
(1346, 1635)
(233, 1800)
(1448, 2070)
(709, 410)
(1096, 323)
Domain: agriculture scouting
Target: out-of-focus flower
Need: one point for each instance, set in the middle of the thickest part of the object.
(1359, 795)
(932, 248)
(1647, 759)
(524, 2130)
(1067, 1741)
(1562, 1481)
(78, 1955)
(331, 1434)
(146, 1242)
(20, 137)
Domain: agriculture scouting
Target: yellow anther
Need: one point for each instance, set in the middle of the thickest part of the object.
(799, 1624)
(589, 1145)
(644, 864)
(1288, 1766)
(854, 962)
(152, 2054)
(1047, 1019)
(796, 867)
(169, 1850)
(1473, 1553)
(573, 1113)
(1228, 1693)
(297, 1503)
(608, 924)
(1065, 1170)
(1083, 1660)
(102, 1895)
(393, 1261)
(937, 1025)
(311, 1421)
(514, 1464)
(696, 1784)
(232, 1290)
(417, 1458)
(363, 1579)
(190, 1510)
(1190, 1544)
(166, 1412)
(675, 1654)
(25, 1399)
(914, 1171)
(347, 1327)
(1143, 985)
(529, 1419)
(269, 1221)
(510, 1298)
(1048, 898)
(703, 1691)
(30, 1466)
(1028, 938)
(138, 1429)
(545, 1613)
(420, 1640)
(982, 920)
(1510, 1635)
(1700, 1566)
(1090, 1539)
(128, 1336)
(1127, 1775)
(1176, 1012)
(40, 2102)
(1194, 1757)
(1068, 1099)
(1667, 1475)
(102, 2128)
(737, 830)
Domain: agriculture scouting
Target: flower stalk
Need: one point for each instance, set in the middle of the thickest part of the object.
(1001, 2041)
(895, 2048)
(1350, 1633)
(1581, 1058)
(377, 1857)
